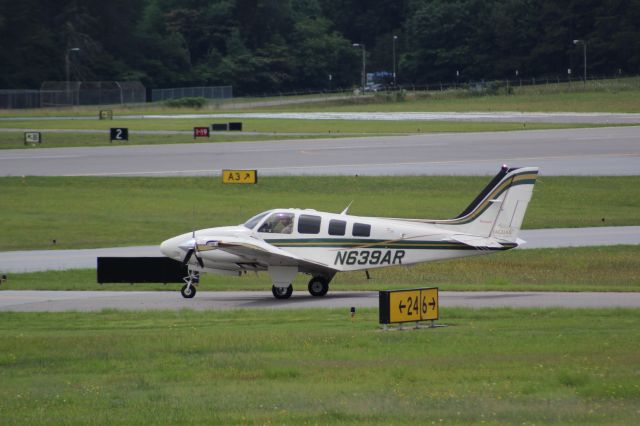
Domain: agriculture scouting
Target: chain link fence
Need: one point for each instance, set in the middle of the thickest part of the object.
(62, 93)
(211, 92)
(14, 99)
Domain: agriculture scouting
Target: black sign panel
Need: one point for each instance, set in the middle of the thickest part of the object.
(235, 126)
(140, 270)
(119, 134)
(219, 127)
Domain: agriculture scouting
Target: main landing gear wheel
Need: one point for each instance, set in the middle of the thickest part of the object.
(282, 292)
(318, 286)
(188, 291)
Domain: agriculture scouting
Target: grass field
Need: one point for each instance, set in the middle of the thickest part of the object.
(613, 268)
(529, 99)
(15, 140)
(267, 129)
(616, 95)
(496, 366)
(105, 212)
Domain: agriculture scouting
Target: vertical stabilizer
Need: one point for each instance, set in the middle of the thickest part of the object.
(498, 211)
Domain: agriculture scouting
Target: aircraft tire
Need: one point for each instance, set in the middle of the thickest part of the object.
(280, 293)
(188, 291)
(318, 286)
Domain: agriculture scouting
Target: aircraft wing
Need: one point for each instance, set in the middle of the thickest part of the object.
(258, 251)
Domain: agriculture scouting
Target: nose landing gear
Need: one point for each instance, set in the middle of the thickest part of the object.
(188, 290)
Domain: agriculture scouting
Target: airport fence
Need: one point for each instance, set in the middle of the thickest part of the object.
(62, 93)
(16, 98)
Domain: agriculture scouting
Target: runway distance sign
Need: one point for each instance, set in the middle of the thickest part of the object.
(240, 176)
(200, 132)
(32, 137)
(398, 306)
(118, 134)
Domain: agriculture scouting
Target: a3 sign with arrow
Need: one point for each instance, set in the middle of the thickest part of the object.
(398, 306)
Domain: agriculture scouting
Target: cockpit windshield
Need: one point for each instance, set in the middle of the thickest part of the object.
(251, 223)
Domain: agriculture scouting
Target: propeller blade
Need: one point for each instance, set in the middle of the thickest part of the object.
(200, 262)
(188, 256)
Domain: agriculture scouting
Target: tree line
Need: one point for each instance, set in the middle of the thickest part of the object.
(267, 46)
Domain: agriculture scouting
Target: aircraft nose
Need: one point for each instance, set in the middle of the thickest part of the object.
(170, 248)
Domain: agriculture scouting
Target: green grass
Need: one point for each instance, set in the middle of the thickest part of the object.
(249, 125)
(15, 140)
(278, 125)
(496, 366)
(159, 107)
(272, 129)
(525, 100)
(104, 212)
(615, 95)
(612, 268)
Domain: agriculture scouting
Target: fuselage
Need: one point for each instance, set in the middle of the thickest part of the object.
(338, 241)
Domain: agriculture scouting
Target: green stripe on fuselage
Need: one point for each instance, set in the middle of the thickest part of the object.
(384, 244)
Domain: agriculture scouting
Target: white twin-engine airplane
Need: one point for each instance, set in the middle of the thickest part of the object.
(284, 242)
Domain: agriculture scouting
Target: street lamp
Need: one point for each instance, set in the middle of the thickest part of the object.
(584, 53)
(395, 81)
(364, 64)
(66, 62)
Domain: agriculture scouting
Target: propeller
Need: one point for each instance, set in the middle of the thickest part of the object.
(187, 257)
(193, 250)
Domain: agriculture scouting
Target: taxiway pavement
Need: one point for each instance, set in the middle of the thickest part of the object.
(43, 260)
(59, 301)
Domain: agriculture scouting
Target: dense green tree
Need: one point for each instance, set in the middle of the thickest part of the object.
(265, 46)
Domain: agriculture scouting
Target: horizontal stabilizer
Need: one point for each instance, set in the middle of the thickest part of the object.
(475, 241)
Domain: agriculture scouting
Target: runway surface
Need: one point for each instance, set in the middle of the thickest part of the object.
(599, 151)
(59, 301)
(43, 260)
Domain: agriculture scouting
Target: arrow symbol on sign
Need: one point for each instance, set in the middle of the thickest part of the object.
(401, 306)
(432, 303)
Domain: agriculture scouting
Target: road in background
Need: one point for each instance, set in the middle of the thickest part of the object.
(43, 260)
(58, 301)
(596, 151)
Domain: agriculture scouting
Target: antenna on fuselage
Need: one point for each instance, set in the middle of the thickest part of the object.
(346, 210)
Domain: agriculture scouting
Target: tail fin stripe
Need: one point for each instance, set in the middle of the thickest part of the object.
(525, 178)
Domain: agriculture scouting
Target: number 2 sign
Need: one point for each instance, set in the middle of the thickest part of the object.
(118, 134)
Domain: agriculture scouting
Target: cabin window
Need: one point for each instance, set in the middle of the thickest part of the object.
(361, 230)
(278, 223)
(309, 224)
(337, 227)
(251, 223)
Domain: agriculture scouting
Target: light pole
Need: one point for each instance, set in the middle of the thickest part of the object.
(364, 64)
(584, 54)
(395, 80)
(66, 63)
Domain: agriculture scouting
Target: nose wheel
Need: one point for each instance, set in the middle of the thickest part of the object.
(188, 290)
(318, 286)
